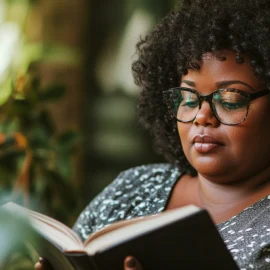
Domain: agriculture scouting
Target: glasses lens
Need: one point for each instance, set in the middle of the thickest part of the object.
(231, 107)
(183, 104)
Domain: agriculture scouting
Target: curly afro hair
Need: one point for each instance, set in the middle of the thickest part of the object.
(178, 43)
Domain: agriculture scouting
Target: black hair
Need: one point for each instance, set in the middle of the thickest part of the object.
(178, 43)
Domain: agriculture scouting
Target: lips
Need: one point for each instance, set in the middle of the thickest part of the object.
(205, 139)
(205, 143)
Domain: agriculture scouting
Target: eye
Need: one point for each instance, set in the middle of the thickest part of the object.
(230, 100)
(232, 106)
(175, 99)
(190, 103)
(190, 100)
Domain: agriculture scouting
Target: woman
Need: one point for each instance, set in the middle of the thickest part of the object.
(204, 72)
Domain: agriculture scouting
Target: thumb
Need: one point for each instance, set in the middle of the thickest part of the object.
(43, 264)
(132, 263)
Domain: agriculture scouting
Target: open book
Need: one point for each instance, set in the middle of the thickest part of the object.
(183, 238)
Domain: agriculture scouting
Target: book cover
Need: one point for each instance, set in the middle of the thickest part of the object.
(183, 238)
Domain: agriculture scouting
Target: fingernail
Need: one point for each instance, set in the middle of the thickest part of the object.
(45, 263)
(131, 263)
(41, 260)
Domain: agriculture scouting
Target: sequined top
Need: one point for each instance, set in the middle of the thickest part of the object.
(146, 190)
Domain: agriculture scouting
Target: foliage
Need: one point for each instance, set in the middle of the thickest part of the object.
(14, 254)
(34, 160)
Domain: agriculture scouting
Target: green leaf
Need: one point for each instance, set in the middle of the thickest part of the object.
(14, 1)
(47, 53)
(64, 166)
(68, 139)
(5, 91)
(52, 93)
(11, 237)
(20, 108)
(39, 137)
(10, 126)
(46, 121)
(59, 53)
(31, 52)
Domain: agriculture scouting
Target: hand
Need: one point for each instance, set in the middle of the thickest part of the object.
(43, 264)
(132, 263)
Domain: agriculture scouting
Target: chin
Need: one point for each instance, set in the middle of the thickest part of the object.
(211, 167)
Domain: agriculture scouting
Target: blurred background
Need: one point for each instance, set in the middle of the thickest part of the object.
(68, 101)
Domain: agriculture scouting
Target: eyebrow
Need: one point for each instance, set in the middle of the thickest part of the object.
(220, 84)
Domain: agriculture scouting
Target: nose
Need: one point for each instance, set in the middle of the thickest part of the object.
(205, 116)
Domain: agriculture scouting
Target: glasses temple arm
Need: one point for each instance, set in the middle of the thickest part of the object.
(259, 94)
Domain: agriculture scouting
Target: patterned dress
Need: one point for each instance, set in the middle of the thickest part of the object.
(146, 190)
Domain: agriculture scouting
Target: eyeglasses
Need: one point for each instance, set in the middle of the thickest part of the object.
(230, 106)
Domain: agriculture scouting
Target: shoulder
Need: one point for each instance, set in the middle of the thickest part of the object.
(154, 174)
(135, 192)
(141, 186)
(247, 236)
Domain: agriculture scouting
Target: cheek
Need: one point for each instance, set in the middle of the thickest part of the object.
(257, 122)
(183, 130)
(250, 141)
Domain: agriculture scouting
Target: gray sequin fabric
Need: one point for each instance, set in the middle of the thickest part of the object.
(146, 189)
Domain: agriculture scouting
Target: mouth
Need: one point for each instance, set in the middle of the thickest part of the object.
(205, 143)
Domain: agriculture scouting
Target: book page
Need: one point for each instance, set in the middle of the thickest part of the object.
(115, 226)
(123, 232)
(51, 229)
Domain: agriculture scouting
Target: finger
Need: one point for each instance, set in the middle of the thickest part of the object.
(131, 263)
(38, 266)
(43, 264)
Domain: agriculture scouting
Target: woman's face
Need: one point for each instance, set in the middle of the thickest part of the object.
(230, 153)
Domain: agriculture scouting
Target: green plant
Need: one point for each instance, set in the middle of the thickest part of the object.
(14, 253)
(35, 159)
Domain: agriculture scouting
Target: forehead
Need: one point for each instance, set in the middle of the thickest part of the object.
(213, 70)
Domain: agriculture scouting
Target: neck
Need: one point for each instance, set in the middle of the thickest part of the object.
(253, 188)
(224, 201)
